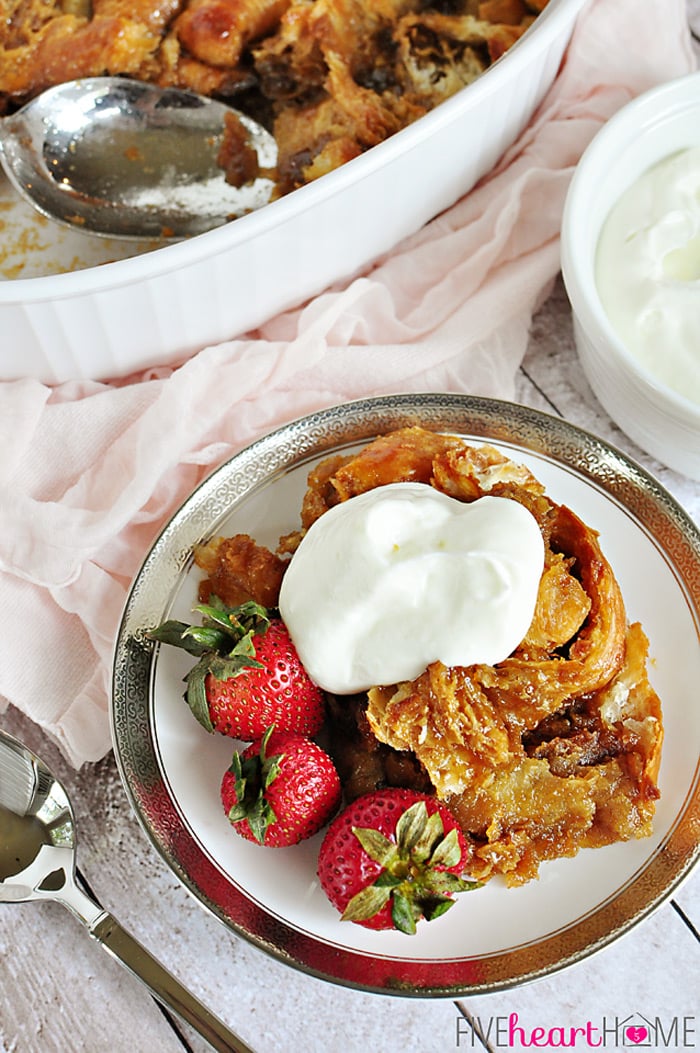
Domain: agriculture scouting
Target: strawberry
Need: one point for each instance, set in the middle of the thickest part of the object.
(280, 790)
(249, 675)
(392, 857)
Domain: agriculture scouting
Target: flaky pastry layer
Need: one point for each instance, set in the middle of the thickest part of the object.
(556, 748)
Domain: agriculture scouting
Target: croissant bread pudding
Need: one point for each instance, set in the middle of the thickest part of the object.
(552, 748)
(330, 78)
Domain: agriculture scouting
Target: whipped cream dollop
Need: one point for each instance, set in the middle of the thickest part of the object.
(401, 576)
(648, 270)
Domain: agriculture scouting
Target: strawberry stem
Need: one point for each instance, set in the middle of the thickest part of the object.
(412, 875)
(223, 644)
(223, 631)
(253, 776)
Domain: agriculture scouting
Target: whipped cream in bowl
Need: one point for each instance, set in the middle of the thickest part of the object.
(401, 576)
(648, 270)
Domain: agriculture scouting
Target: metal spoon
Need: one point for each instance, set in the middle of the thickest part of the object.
(37, 861)
(120, 158)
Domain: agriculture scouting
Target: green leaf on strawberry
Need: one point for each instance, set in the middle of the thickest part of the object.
(280, 790)
(253, 776)
(221, 667)
(196, 694)
(367, 903)
(248, 675)
(175, 633)
(446, 852)
(392, 857)
(378, 847)
(234, 622)
(409, 876)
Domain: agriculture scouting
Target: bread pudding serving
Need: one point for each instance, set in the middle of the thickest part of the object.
(520, 698)
(330, 78)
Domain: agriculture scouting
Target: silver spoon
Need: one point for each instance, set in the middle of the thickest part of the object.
(124, 159)
(37, 862)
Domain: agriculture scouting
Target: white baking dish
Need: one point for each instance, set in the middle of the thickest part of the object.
(164, 305)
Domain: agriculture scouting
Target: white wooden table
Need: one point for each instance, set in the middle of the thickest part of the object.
(60, 992)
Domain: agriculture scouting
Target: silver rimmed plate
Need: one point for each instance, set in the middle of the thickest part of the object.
(494, 937)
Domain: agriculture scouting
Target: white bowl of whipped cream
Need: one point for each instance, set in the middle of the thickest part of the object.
(631, 265)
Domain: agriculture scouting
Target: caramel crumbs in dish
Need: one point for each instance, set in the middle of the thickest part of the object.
(330, 78)
(554, 749)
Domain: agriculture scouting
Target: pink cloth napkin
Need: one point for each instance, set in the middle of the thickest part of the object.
(91, 471)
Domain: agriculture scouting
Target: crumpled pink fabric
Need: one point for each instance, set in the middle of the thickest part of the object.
(91, 471)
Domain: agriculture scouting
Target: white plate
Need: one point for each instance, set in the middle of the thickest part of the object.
(494, 937)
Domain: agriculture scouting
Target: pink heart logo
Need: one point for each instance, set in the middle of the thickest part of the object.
(636, 1034)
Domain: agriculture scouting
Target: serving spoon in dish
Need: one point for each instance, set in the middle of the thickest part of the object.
(120, 158)
(37, 862)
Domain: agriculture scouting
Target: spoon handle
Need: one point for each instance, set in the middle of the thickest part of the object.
(164, 986)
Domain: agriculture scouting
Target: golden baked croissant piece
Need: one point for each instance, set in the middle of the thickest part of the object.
(554, 749)
(331, 78)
